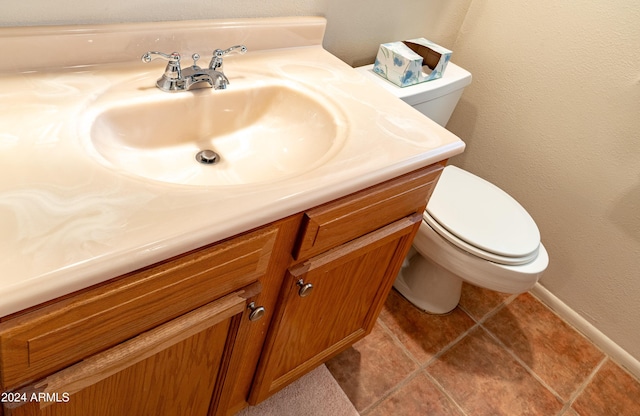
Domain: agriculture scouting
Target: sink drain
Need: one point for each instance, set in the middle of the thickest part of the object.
(207, 157)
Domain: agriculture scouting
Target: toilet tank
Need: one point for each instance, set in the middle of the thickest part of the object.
(436, 99)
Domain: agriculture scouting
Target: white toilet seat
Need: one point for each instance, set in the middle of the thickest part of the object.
(486, 255)
(480, 218)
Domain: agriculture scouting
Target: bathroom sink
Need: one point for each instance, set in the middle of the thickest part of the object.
(260, 133)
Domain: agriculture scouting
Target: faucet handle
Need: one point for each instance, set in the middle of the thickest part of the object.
(173, 71)
(172, 79)
(151, 55)
(218, 54)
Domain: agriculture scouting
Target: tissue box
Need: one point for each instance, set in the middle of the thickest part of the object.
(411, 61)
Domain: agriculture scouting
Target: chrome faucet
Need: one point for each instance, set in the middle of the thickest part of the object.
(175, 78)
(218, 54)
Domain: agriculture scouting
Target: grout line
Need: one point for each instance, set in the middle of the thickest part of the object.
(492, 312)
(390, 392)
(566, 403)
(584, 384)
(445, 392)
(403, 382)
(478, 324)
(524, 365)
(398, 343)
(421, 369)
(435, 356)
(447, 347)
(513, 354)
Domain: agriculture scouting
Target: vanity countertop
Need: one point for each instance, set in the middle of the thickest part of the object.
(69, 220)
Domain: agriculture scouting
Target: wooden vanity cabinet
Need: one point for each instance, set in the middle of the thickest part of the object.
(332, 299)
(175, 338)
(165, 340)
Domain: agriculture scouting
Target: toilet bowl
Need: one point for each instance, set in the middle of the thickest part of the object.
(471, 230)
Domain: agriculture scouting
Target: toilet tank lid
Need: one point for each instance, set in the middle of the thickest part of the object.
(482, 215)
(454, 78)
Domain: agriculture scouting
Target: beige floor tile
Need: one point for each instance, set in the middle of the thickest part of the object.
(478, 302)
(423, 334)
(418, 397)
(479, 374)
(556, 352)
(611, 392)
(484, 379)
(372, 367)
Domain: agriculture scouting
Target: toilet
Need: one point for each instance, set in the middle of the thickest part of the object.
(472, 231)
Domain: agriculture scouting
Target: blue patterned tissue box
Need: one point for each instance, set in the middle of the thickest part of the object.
(411, 61)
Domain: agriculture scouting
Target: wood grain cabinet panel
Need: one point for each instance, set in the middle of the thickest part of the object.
(337, 222)
(350, 285)
(173, 369)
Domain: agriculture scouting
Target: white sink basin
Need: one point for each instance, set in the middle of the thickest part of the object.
(262, 133)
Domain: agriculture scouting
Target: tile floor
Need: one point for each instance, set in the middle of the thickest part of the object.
(495, 354)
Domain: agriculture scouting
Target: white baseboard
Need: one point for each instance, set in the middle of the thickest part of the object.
(609, 347)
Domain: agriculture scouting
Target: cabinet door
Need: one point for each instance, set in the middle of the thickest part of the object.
(350, 285)
(173, 369)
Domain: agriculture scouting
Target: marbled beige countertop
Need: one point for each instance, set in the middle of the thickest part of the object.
(69, 220)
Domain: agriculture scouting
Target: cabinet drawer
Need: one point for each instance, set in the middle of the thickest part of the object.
(48, 339)
(339, 221)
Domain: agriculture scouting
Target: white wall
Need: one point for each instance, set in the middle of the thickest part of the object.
(553, 117)
(356, 28)
(46, 12)
(354, 31)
